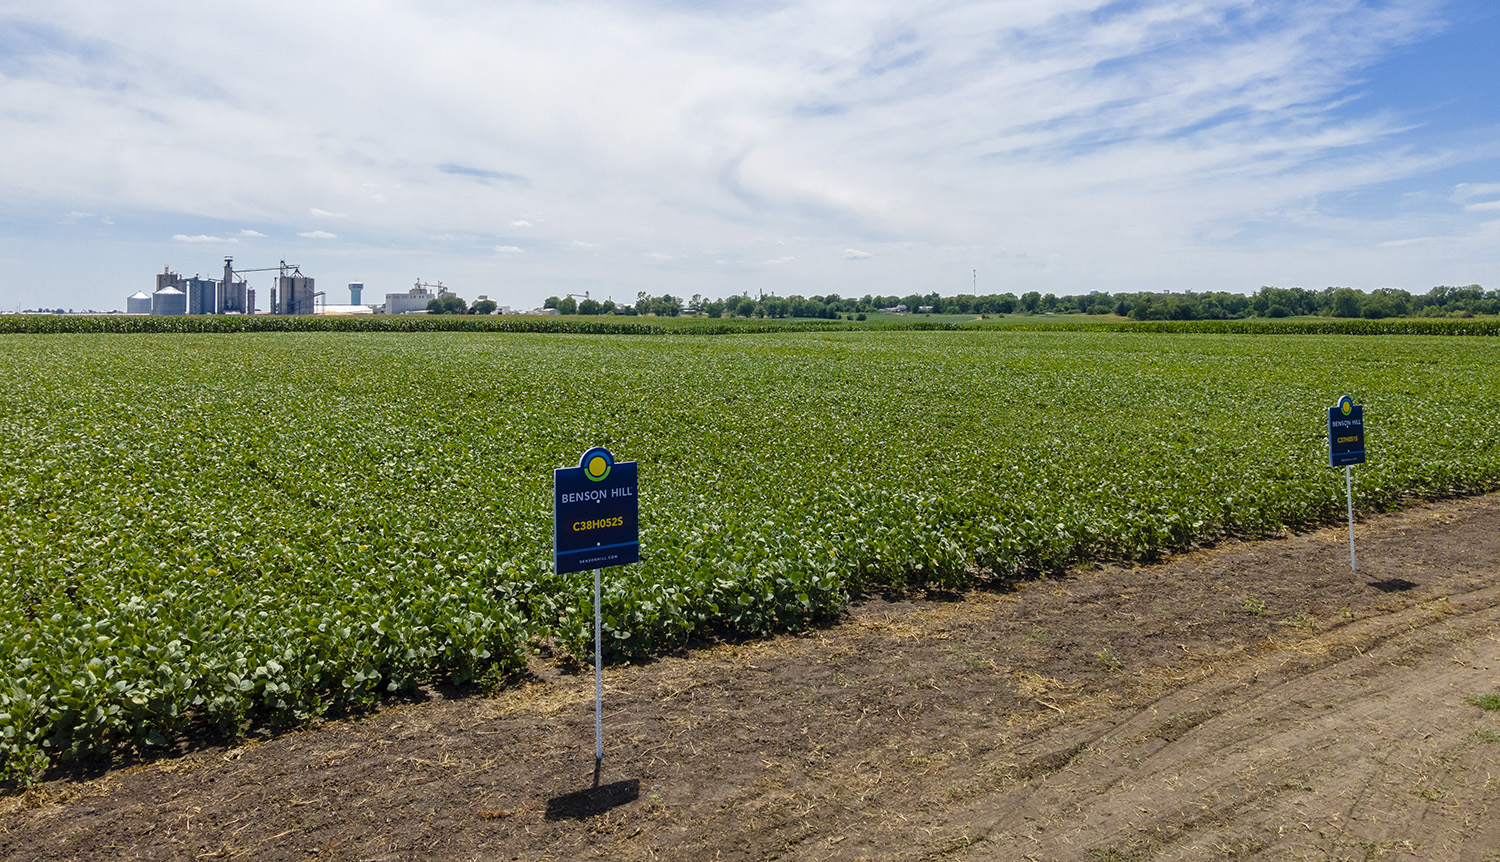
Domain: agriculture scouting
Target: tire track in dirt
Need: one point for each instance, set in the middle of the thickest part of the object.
(1339, 762)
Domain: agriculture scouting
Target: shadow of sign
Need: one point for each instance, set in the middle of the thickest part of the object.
(1393, 585)
(593, 801)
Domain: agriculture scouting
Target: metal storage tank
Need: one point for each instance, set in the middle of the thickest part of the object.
(201, 295)
(169, 300)
(138, 303)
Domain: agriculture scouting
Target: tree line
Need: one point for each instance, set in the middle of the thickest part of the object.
(1344, 302)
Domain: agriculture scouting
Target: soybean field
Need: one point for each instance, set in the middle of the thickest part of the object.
(221, 531)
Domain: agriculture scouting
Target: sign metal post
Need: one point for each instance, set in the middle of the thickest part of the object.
(598, 676)
(595, 524)
(1349, 495)
(1346, 447)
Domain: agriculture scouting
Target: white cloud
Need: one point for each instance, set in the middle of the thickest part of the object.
(1486, 206)
(251, 233)
(1066, 143)
(781, 260)
(319, 234)
(509, 249)
(1465, 191)
(181, 237)
(73, 218)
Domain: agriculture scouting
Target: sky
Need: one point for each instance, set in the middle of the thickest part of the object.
(521, 150)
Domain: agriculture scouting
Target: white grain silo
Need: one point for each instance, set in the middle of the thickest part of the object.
(138, 303)
(169, 300)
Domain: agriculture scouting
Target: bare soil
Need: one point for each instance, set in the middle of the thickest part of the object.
(1252, 700)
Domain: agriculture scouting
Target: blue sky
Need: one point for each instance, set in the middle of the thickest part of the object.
(524, 149)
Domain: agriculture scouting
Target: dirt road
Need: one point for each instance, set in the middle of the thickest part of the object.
(1253, 700)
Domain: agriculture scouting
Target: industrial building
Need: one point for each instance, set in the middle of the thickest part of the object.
(415, 299)
(354, 306)
(235, 297)
(292, 293)
(201, 295)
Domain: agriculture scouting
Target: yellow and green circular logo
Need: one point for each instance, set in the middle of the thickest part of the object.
(596, 464)
(599, 468)
(1346, 405)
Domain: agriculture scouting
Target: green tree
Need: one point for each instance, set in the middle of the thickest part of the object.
(1399, 300)
(739, 306)
(1346, 302)
(590, 306)
(1291, 300)
(1378, 306)
(448, 303)
(483, 306)
(567, 305)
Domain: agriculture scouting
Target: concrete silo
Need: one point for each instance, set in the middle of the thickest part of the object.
(296, 292)
(168, 278)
